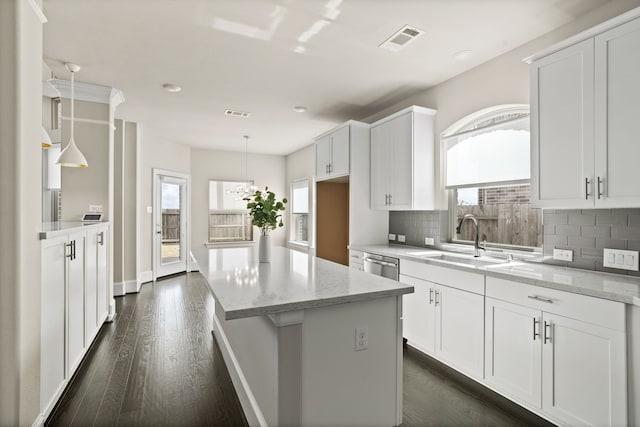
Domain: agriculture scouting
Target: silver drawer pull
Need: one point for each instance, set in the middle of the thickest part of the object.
(538, 298)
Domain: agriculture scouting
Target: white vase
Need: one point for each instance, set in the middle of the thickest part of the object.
(264, 248)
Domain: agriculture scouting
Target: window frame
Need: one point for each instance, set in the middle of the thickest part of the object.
(485, 118)
(292, 236)
(250, 237)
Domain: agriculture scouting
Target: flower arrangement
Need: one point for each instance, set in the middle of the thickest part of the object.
(263, 208)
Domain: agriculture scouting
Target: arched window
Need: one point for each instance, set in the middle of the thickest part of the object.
(487, 172)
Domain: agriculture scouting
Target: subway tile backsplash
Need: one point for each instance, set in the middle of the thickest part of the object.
(587, 232)
(416, 225)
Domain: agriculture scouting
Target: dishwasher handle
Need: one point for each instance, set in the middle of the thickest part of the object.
(382, 263)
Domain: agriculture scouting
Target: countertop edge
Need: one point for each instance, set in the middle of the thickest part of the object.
(612, 296)
(66, 227)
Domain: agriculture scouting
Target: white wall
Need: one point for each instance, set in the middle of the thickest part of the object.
(160, 153)
(20, 210)
(503, 80)
(264, 170)
(301, 165)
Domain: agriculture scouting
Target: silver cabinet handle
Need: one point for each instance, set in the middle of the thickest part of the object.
(386, 199)
(390, 202)
(430, 295)
(586, 189)
(600, 182)
(437, 295)
(70, 254)
(382, 263)
(101, 238)
(547, 335)
(539, 298)
(535, 334)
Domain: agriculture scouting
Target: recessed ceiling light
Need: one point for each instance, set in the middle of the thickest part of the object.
(171, 87)
(299, 108)
(463, 55)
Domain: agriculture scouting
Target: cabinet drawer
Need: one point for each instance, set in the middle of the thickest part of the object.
(610, 314)
(463, 280)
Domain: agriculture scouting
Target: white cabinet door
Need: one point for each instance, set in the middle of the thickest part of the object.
(562, 135)
(617, 91)
(102, 273)
(401, 129)
(52, 321)
(513, 350)
(460, 329)
(584, 372)
(75, 301)
(323, 157)
(418, 314)
(91, 287)
(340, 152)
(380, 166)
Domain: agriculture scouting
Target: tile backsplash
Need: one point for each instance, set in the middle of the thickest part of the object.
(416, 225)
(587, 232)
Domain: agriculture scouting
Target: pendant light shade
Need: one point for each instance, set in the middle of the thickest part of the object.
(71, 156)
(45, 139)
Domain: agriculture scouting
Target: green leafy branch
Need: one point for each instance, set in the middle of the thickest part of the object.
(263, 208)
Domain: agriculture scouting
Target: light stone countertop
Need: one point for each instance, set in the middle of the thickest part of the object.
(292, 281)
(592, 283)
(50, 230)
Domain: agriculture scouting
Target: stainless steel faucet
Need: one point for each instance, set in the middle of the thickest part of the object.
(477, 247)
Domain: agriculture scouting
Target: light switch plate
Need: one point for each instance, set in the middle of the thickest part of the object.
(563, 254)
(149, 209)
(621, 259)
(392, 237)
(401, 238)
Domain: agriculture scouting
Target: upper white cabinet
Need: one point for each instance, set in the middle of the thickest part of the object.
(583, 119)
(332, 153)
(402, 161)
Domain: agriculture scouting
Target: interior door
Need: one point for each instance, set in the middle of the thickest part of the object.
(171, 249)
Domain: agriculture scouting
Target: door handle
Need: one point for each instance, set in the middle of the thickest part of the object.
(382, 263)
(586, 189)
(539, 298)
(600, 182)
(535, 334)
(101, 238)
(430, 295)
(547, 335)
(390, 203)
(73, 250)
(437, 295)
(70, 254)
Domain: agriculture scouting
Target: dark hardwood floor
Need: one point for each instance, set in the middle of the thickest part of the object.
(157, 364)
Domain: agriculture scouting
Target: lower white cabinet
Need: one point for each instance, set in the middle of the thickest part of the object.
(447, 323)
(356, 259)
(561, 354)
(74, 289)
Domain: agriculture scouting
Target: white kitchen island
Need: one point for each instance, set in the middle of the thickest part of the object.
(287, 330)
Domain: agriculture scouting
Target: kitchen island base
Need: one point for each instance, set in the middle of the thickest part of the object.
(301, 367)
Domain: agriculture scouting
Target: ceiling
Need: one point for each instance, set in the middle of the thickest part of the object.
(267, 56)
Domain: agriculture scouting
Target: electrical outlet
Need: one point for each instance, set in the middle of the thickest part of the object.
(430, 241)
(95, 208)
(617, 258)
(563, 254)
(401, 238)
(392, 237)
(362, 338)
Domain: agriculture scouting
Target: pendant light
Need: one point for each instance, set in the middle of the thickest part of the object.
(244, 190)
(45, 139)
(71, 155)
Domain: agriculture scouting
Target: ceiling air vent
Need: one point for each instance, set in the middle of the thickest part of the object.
(236, 113)
(401, 38)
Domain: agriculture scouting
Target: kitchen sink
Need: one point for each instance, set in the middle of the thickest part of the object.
(460, 259)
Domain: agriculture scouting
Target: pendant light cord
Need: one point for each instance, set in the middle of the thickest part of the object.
(246, 162)
(73, 74)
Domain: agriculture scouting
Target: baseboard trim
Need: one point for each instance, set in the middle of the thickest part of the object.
(248, 401)
(145, 277)
(132, 286)
(119, 289)
(112, 311)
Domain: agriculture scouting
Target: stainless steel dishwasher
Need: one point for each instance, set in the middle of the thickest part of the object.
(381, 265)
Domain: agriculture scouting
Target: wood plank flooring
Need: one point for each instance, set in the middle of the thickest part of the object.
(157, 364)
